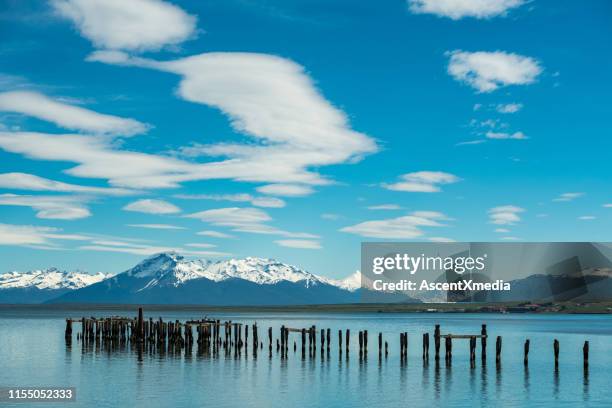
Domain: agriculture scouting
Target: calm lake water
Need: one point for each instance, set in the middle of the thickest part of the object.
(33, 352)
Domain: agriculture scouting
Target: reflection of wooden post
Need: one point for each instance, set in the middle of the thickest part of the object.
(556, 351)
(437, 341)
(498, 349)
(585, 354)
(526, 349)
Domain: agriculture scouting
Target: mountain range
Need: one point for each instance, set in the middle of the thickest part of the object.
(168, 278)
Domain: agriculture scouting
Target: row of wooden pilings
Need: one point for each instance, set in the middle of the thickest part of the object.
(212, 334)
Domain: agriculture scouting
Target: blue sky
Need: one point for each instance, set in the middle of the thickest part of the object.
(297, 129)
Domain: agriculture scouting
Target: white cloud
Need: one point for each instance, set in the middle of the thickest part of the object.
(505, 215)
(471, 142)
(502, 230)
(50, 207)
(406, 227)
(441, 239)
(587, 217)
(488, 71)
(285, 190)
(68, 116)
(299, 243)
(457, 9)
(157, 226)
(270, 202)
(506, 136)
(198, 245)
(131, 25)
(270, 99)
(28, 235)
(509, 107)
(385, 207)
(568, 196)
(511, 238)
(25, 181)
(607, 205)
(251, 220)
(330, 216)
(214, 234)
(151, 206)
(144, 249)
(422, 181)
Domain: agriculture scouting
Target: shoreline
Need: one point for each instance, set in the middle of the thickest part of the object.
(428, 308)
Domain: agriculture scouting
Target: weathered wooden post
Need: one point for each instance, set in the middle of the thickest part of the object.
(68, 332)
(448, 349)
(365, 341)
(303, 342)
(498, 349)
(140, 325)
(322, 339)
(585, 354)
(348, 341)
(483, 342)
(270, 338)
(556, 352)
(425, 346)
(437, 341)
(360, 341)
(328, 339)
(386, 349)
(340, 341)
(526, 352)
(379, 344)
(472, 350)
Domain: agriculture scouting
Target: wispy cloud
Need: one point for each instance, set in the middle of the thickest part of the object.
(506, 136)
(50, 207)
(214, 234)
(28, 235)
(457, 9)
(299, 243)
(68, 116)
(568, 197)
(270, 202)
(587, 217)
(471, 142)
(422, 182)
(385, 207)
(136, 25)
(150, 206)
(505, 215)
(25, 181)
(331, 216)
(406, 227)
(509, 107)
(488, 71)
(157, 226)
(251, 220)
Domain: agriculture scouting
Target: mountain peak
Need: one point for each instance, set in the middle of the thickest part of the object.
(50, 278)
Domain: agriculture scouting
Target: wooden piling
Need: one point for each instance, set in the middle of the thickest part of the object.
(425, 346)
(556, 352)
(68, 331)
(585, 354)
(483, 342)
(498, 349)
(526, 352)
(437, 341)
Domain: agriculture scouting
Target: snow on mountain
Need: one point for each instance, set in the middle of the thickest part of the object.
(50, 278)
(173, 269)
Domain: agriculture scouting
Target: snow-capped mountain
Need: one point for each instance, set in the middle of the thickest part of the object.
(51, 278)
(168, 278)
(41, 285)
(173, 269)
